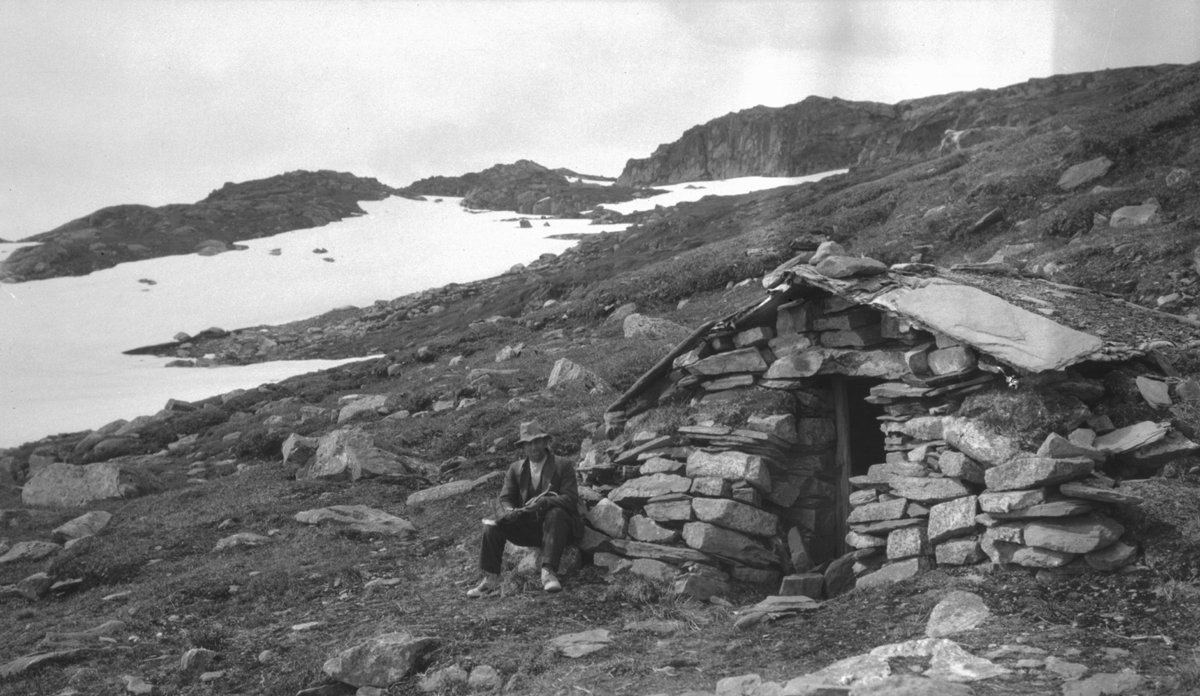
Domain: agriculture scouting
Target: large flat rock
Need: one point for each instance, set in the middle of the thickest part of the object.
(1034, 472)
(1082, 534)
(989, 324)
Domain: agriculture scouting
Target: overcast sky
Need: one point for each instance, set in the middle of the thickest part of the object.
(161, 102)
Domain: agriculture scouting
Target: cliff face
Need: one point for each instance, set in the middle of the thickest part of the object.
(820, 134)
(244, 210)
(524, 187)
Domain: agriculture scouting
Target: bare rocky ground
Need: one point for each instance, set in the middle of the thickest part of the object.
(273, 613)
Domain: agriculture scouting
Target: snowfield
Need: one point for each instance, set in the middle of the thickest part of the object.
(61, 362)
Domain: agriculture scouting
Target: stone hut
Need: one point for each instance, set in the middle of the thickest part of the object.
(862, 423)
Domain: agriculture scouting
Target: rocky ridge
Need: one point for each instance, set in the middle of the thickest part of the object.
(821, 134)
(246, 210)
(527, 188)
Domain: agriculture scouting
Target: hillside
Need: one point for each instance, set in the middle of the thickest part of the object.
(466, 363)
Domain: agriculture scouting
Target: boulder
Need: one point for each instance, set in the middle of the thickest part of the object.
(640, 326)
(83, 526)
(580, 644)
(68, 485)
(959, 611)
(359, 518)
(1074, 535)
(351, 455)
(1135, 215)
(1084, 172)
(29, 551)
(380, 661)
(569, 375)
(1033, 472)
(298, 450)
(364, 408)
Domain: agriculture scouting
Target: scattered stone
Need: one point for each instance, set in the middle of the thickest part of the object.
(241, 539)
(1134, 215)
(196, 659)
(359, 518)
(1112, 557)
(443, 679)
(774, 607)
(299, 450)
(449, 490)
(1104, 684)
(894, 572)
(1155, 393)
(959, 611)
(29, 551)
(583, 643)
(569, 375)
(1083, 173)
(484, 678)
(136, 685)
(380, 661)
(68, 485)
(639, 326)
(35, 586)
(653, 570)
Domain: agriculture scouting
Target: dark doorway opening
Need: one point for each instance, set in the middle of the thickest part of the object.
(866, 440)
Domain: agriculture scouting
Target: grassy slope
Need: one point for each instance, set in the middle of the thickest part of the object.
(181, 594)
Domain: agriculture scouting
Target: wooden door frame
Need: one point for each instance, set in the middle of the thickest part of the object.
(842, 459)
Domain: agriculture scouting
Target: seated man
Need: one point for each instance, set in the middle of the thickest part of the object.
(539, 506)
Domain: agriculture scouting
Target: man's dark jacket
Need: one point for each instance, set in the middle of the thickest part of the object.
(558, 482)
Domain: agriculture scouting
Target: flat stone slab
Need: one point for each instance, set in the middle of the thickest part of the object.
(1130, 437)
(990, 324)
(1084, 172)
(979, 442)
(450, 490)
(1104, 684)
(775, 605)
(947, 662)
(1077, 489)
(894, 572)
(1034, 472)
(742, 360)
(643, 488)
(876, 512)
(1074, 535)
(709, 538)
(1056, 446)
(929, 490)
(960, 611)
(674, 555)
(360, 518)
(1062, 507)
(583, 643)
(1008, 501)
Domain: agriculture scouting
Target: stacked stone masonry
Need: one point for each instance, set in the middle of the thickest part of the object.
(760, 502)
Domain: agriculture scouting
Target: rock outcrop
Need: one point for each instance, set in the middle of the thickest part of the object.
(525, 187)
(820, 134)
(247, 210)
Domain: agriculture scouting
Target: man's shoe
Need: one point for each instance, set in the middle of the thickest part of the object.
(488, 585)
(550, 581)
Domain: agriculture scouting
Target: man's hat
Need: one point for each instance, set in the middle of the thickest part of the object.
(531, 431)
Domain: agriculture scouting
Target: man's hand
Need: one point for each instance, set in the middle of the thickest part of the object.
(508, 517)
(539, 506)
